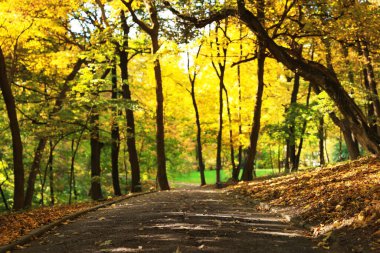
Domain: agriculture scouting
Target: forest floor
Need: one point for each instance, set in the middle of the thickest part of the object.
(338, 206)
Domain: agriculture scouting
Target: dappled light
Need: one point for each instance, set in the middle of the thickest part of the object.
(189, 125)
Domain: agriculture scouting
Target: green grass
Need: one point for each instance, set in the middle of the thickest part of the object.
(194, 176)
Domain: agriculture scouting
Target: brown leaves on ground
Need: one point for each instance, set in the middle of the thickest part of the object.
(14, 225)
(328, 198)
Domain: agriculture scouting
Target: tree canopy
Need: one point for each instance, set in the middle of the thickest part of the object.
(102, 97)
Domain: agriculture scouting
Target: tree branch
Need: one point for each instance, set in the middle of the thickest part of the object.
(199, 23)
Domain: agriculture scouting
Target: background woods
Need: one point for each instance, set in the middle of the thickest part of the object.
(105, 97)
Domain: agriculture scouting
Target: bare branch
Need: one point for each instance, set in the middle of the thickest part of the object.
(140, 23)
(244, 61)
(199, 23)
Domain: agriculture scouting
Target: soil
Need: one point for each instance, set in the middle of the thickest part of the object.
(187, 220)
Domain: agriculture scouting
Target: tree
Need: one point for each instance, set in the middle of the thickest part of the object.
(122, 50)
(192, 78)
(59, 101)
(18, 165)
(115, 136)
(311, 71)
(153, 32)
(248, 170)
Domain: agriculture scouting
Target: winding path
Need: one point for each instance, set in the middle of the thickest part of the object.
(192, 220)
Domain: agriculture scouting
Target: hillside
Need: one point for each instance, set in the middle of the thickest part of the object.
(341, 204)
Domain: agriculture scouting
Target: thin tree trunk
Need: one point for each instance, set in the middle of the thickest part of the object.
(17, 148)
(43, 140)
(344, 125)
(115, 135)
(4, 198)
(48, 165)
(192, 79)
(51, 175)
(232, 150)
(321, 141)
(292, 129)
(220, 131)
(74, 151)
(374, 97)
(96, 191)
(220, 71)
(160, 138)
(327, 153)
(236, 171)
(304, 126)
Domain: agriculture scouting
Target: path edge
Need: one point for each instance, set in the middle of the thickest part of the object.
(41, 230)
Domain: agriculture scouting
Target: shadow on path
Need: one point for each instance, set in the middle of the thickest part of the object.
(185, 220)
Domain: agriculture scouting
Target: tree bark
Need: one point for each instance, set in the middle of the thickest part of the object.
(160, 137)
(232, 150)
(351, 142)
(152, 31)
(130, 119)
(51, 173)
(18, 165)
(236, 172)
(220, 130)
(201, 165)
(303, 130)
(115, 136)
(291, 141)
(220, 68)
(321, 141)
(248, 171)
(95, 191)
(374, 96)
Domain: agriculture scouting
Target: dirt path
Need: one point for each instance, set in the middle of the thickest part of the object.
(190, 220)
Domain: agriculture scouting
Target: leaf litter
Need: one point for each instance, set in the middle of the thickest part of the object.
(341, 200)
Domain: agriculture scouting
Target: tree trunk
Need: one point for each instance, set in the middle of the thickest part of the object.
(201, 165)
(34, 171)
(236, 172)
(48, 166)
(18, 166)
(95, 191)
(115, 136)
(374, 96)
(42, 141)
(254, 136)
(131, 136)
(232, 150)
(153, 31)
(220, 131)
(351, 143)
(51, 175)
(321, 141)
(292, 122)
(160, 137)
(320, 76)
(303, 130)
(220, 71)
(4, 199)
